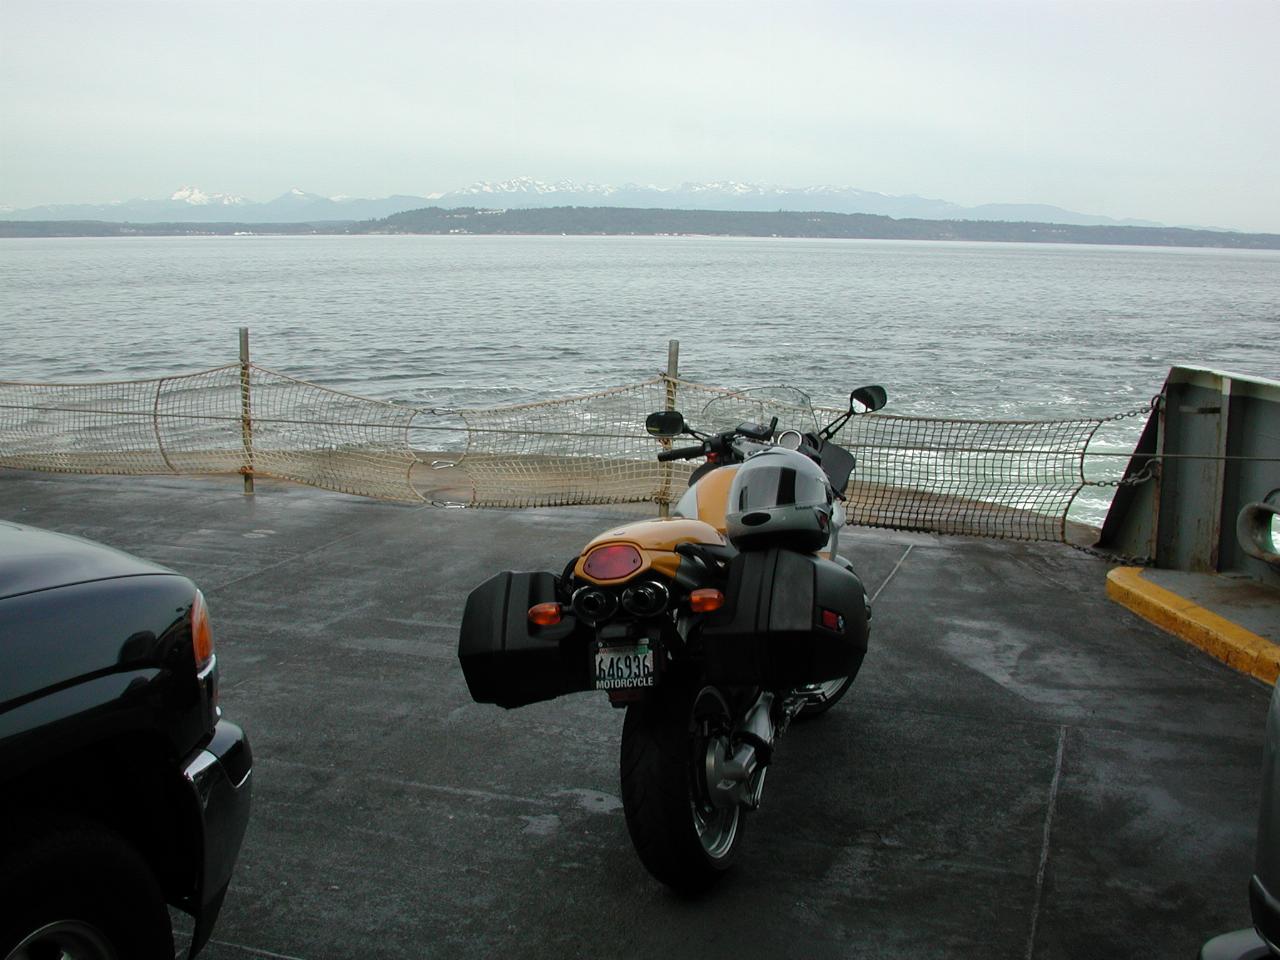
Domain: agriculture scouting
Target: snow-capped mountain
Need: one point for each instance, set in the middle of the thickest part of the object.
(191, 204)
(529, 187)
(198, 198)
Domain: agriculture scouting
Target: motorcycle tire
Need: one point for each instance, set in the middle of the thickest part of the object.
(680, 836)
(832, 692)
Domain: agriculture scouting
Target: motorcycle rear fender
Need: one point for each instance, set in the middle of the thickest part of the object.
(655, 540)
(789, 619)
(511, 662)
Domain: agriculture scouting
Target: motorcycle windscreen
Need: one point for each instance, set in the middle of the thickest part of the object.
(509, 661)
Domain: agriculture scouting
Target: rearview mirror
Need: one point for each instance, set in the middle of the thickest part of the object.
(665, 424)
(872, 397)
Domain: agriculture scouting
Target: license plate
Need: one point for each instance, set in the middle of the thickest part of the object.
(624, 667)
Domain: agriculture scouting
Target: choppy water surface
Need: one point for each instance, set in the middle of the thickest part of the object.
(951, 329)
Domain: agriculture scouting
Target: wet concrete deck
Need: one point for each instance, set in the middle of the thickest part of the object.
(1023, 768)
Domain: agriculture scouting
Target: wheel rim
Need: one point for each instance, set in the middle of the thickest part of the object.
(717, 827)
(64, 940)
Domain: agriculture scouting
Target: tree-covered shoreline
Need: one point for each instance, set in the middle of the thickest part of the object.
(625, 221)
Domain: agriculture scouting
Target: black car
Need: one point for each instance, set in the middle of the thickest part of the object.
(1263, 939)
(121, 788)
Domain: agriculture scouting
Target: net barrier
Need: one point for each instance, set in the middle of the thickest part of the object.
(988, 478)
(201, 423)
(1004, 479)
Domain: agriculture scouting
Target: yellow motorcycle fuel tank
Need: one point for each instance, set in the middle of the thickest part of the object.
(708, 499)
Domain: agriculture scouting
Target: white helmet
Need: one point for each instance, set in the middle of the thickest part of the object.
(779, 498)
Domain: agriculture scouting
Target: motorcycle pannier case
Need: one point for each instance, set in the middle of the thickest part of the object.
(506, 659)
(790, 619)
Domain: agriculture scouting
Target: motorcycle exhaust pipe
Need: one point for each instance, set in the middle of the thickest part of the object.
(593, 604)
(757, 728)
(645, 599)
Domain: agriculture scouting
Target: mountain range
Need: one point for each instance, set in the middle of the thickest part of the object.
(193, 205)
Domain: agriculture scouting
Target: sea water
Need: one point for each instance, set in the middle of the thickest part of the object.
(969, 330)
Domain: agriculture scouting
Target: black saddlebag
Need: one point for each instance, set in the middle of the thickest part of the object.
(789, 619)
(509, 661)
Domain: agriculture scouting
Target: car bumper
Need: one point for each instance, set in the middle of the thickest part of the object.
(220, 777)
(1240, 945)
(1255, 944)
(1265, 910)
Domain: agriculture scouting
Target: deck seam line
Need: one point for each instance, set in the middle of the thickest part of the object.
(1044, 843)
(896, 566)
(472, 793)
(255, 950)
(297, 556)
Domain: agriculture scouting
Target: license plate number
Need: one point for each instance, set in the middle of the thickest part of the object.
(624, 668)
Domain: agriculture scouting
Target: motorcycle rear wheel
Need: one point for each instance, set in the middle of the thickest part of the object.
(681, 837)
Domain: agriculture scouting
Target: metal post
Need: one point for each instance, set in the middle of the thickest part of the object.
(1216, 518)
(1157, 476)
(673, 370)
(246, 421)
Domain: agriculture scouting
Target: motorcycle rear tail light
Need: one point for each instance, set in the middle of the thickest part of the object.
(612, 562)
(705, 600)
(546, 614)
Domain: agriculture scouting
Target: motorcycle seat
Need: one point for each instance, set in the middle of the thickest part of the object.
(714, 556)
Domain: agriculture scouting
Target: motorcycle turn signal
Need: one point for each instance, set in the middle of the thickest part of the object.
(705, 600)
(545, 614)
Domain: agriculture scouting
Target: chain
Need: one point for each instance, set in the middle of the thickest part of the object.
(1152, 406)
(1149, 469)
(1148, 472)
(1121, 558)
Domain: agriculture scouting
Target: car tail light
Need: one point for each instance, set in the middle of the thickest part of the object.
(612, 562)
(201, 632)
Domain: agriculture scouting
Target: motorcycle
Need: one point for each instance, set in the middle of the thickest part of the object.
(715, 628)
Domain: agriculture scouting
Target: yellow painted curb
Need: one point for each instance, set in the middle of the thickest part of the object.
(1233, 645)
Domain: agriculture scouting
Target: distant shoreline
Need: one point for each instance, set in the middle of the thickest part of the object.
(625, 221)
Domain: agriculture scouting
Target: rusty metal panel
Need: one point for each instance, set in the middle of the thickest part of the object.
(1191, 502)
(1217, 440)
(1252, 474)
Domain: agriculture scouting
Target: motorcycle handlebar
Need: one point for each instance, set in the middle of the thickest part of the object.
(683, 453)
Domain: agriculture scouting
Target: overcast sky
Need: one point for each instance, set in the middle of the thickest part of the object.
(1166, 111)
